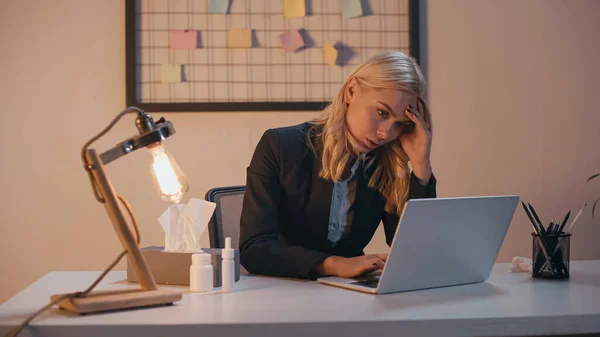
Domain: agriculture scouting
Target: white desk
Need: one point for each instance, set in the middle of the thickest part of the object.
(507, 304)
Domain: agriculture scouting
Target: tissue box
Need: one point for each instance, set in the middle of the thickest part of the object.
(174, 268)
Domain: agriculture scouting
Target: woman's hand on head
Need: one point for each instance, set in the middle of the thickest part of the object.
(353, 266)
(417, 144)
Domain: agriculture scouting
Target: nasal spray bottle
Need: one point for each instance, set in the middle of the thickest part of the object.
(227, 267)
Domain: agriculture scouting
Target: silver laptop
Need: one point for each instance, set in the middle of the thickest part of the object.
(440, 242)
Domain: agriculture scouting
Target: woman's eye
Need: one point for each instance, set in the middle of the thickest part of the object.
(382, 113)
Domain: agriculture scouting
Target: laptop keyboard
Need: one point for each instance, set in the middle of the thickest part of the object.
(368, 283)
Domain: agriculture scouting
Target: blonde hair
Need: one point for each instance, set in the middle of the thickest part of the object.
(391, 177)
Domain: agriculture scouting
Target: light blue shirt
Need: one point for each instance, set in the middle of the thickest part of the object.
(342, 200)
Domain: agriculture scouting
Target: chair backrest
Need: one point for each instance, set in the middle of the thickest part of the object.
(225, 221)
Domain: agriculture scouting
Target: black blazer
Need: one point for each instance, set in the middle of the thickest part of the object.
(285, 212)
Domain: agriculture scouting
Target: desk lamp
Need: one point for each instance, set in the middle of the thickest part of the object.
(171, 184)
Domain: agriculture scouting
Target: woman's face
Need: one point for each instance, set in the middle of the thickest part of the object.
(377, 116)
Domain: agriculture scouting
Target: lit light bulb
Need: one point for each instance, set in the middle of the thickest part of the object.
(168, 178)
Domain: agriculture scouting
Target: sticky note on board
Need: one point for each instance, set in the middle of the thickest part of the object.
(218, 6)
(330, 53)
(294, 8)
(170, 73)
(239, 38)
(183, 39)
(351, 8)
(291, 40)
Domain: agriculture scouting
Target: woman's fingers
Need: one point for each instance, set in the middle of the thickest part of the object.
(376, 262)
(383, 257)
(415, 118)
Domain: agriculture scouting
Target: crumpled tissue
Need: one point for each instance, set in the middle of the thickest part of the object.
(184, 224)
(520, 264)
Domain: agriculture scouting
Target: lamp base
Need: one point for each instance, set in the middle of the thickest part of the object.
(106, 300)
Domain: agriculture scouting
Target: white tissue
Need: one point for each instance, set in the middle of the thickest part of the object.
(184, 224)
(520, 264)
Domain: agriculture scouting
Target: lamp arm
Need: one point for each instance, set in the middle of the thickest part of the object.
(126, 236)
(105, 193)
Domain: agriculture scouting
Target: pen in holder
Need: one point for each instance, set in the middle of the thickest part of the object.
(552, 264)
(551, 246)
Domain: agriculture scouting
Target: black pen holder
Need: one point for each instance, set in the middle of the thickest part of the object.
(552, 260)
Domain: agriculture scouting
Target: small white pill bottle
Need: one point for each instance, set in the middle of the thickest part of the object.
(201, 273)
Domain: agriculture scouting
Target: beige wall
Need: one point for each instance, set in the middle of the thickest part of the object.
(512, 91)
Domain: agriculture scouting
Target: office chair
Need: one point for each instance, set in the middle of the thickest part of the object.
(225, 221)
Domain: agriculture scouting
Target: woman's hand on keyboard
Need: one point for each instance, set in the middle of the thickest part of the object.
(353, 266)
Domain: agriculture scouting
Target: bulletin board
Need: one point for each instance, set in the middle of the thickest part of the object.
(165, 73)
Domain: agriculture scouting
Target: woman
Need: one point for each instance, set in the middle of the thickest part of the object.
(316, 192)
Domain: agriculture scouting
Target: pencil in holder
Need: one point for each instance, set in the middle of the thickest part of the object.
(550, 259)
